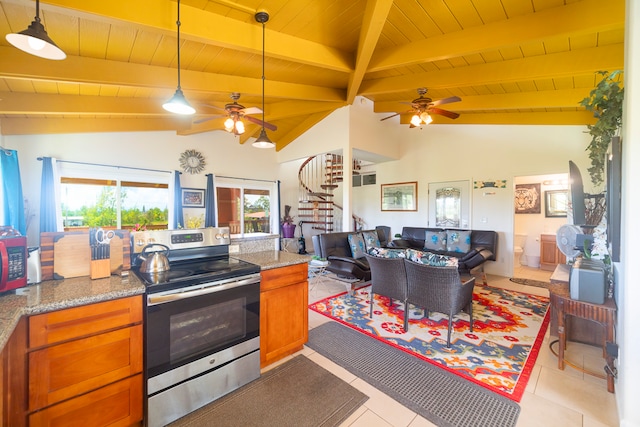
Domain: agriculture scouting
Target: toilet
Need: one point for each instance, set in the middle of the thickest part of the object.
(519, 259)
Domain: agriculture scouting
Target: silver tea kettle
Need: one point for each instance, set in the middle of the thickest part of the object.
(154, 261)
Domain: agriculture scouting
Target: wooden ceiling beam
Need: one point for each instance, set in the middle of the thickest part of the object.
(35, 126)
(531, 118)
(556, 65)
(210, 28)
(565, 98)
(284, 139)
(375, 16)
(14, 64)
(583, 17)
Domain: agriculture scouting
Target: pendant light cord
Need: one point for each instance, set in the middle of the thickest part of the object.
(178, 24)
(263, 76)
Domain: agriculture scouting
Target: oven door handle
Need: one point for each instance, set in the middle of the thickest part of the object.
(162, 299)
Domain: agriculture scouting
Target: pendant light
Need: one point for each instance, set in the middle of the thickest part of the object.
(263, 140)
(178, 103)
(34, 40)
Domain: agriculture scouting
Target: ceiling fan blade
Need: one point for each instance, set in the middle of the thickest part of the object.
(206, 119)
(214, 107)
(251, 110)
(261, 123)
(449, 114)
(446, 100)
(393, 115)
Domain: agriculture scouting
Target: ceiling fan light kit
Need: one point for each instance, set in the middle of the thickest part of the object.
(178, 104)
(35, 40)
(263, 140)
(423, 107)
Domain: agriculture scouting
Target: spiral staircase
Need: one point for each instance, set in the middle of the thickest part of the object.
(318, 178)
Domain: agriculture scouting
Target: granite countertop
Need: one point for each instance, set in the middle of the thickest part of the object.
(272, 259)
(54, 295)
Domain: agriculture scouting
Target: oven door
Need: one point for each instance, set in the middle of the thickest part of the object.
(188, 324)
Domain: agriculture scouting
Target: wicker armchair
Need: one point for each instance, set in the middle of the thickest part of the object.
(438, 289)
(388, 278)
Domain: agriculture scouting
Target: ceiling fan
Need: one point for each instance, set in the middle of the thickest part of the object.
(235, 113)
(423, 107)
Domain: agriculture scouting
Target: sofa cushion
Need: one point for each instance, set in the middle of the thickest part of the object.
(356, 242)
(429, 258)
(458, 240)
(435, 240)
(371, 239)
(387, 253)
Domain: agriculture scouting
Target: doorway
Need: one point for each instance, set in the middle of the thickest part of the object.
(534, 220)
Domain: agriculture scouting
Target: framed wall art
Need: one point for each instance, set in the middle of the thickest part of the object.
(402, 196)
(555, 203)
(527, 199)
(193, 197)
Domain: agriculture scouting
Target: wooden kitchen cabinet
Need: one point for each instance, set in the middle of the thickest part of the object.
(85, 365)
(13, 384)
(550, 255)
(284, 319)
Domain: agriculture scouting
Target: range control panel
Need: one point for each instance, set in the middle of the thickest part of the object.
(180, 239)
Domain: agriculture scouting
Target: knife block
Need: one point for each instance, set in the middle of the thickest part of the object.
(100, 268)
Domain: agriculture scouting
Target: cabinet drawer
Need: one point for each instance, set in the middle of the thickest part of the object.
(283, 276)
(71, 323)
(65, 370)
(118, 404)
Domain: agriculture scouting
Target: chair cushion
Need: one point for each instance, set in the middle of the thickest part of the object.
(387, 253)
(371, 239)
(429, 258)
(458, 241)
(435, 240)
(356, 243)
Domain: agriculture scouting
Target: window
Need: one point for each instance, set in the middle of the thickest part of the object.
(245, 209)
(121, 201)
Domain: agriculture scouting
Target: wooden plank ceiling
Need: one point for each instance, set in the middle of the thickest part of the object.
(511, 61)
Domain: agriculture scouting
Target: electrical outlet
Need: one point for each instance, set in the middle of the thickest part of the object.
(234, 249)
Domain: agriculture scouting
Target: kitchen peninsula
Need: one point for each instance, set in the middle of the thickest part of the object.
(106, 313)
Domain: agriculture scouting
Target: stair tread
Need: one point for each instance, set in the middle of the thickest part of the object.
(321, 194)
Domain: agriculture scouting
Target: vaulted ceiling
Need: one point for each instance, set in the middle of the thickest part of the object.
(511, 61)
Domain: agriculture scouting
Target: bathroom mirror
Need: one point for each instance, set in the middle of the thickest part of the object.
(556, 202)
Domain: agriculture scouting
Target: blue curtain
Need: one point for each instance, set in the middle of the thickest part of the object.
(178, 217)
(210, 203)
(13, 203)
(48, 206)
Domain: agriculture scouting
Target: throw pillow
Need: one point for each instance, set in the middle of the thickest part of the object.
(371, 239)
(429, 258)
(435, 240)
(356, 243)
(387, 253)
(458, 241)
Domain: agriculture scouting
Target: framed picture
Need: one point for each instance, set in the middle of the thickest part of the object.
(402, 196)
(527, 199)
(193, 197)
(555, 203)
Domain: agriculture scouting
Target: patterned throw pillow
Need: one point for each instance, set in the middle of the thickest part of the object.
(458, 241)
(371, 239)
(387, 253)
(435, 241)
(429, 258)
(356, 242)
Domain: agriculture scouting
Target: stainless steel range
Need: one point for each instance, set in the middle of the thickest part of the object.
(202, 319)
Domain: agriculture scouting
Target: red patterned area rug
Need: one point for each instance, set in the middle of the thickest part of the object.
(499, 354)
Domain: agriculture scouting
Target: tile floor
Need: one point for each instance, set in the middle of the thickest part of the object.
(552, 398)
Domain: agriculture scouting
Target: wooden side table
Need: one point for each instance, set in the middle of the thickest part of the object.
(563, 306)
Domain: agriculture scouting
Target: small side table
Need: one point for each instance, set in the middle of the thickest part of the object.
(317, 270)
(563, 306)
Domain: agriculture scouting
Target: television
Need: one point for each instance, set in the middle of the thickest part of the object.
(614, 197)
(577, 195)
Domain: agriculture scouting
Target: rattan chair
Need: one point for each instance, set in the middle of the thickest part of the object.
(438, 289)
(388, 278)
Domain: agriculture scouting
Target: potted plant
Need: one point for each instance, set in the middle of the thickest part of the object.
(288, 227)
(605, 101)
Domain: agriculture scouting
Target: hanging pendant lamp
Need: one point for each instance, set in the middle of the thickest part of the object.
(178, 103)
(263, 140)
(35, 40)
